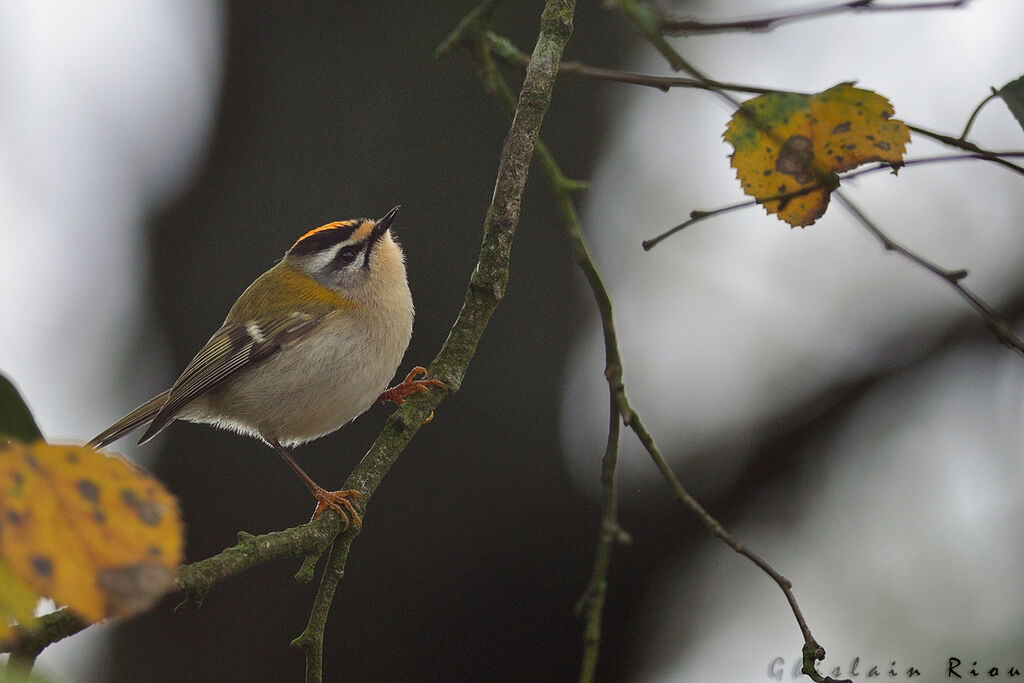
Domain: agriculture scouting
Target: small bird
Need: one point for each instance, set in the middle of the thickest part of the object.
(310, 345)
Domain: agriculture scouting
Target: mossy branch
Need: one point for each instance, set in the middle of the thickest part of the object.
(485, 291)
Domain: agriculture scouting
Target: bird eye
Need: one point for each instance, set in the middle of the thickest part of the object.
(347, 255)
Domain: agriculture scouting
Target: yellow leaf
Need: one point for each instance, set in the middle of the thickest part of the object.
(91, 531)
(789, 148)
(17, 604)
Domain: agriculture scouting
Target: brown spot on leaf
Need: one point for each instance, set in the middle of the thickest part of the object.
(795, 158)
(149, 513)
(883, 145)
(135, 588)
(31, 461)
(14, 517)
(843, 127)
(42, 565)
(71, 457)
(88, 489)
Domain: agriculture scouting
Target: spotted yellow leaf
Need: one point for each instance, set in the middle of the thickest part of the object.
(789, 148)
(88, 530)
(17, 604)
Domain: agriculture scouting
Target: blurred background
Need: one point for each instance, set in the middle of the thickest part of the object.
(840, 411)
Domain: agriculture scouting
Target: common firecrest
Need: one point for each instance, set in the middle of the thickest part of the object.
(308, 346)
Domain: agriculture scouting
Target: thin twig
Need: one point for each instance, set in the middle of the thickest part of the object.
(683, 27)
(503, 48)
(312, 638)
(590, 606)
(698, 215)
(995, 322)
(960, 143)
(974, 114)
(644, 19)
(813, 652)
(646, 22)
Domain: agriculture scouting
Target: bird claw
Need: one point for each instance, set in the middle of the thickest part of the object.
(409, 386)
(340, 503)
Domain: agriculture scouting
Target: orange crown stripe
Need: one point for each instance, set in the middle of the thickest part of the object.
(323, 228)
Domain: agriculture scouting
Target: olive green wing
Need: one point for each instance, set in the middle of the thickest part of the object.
(234, 348)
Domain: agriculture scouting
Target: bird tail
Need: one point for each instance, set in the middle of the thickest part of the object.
(138, 417)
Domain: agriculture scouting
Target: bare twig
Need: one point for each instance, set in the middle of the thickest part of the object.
(683, 27)
(591, 605)
(995, 322)
(974, 114)
(311, 639)
(960, 143)
(509, 53)
(698, 215)
(646, 22)
(592, 602)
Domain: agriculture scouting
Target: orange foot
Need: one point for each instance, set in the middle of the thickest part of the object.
(340, 503)
(409, 386)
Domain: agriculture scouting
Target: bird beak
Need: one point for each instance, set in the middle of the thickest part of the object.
(382, 226)
(379, 228)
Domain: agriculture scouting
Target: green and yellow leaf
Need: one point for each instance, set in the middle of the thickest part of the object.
(88, 530)
(789, 148)
(17, 604)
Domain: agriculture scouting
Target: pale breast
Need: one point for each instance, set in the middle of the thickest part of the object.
(317, 384)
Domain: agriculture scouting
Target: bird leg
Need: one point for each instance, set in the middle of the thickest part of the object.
(409, 386)
(339, 501)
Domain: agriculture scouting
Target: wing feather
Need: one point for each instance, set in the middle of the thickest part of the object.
(234, 348)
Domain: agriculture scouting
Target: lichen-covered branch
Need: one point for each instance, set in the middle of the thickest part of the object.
(486, 290)
(486, 287)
